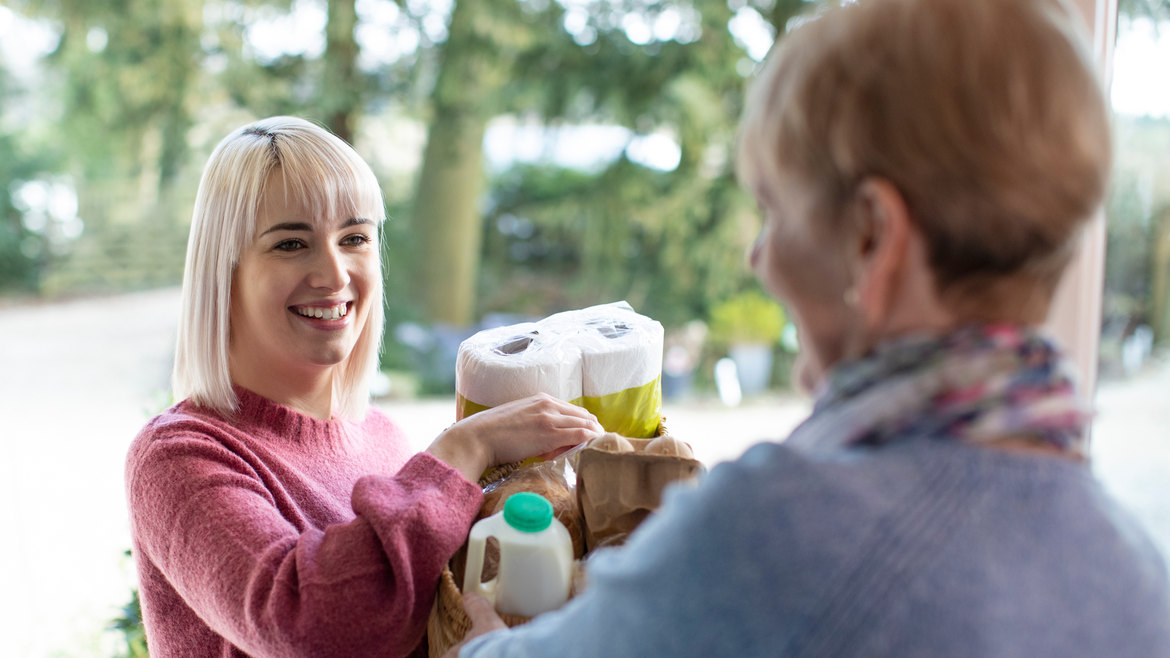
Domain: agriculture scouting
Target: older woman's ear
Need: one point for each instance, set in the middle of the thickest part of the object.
(893, 283)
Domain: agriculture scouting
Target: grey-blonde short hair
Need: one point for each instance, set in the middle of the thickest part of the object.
(333, 180)
(987, 115)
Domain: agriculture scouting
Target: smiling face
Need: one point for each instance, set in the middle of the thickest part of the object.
(301, 292)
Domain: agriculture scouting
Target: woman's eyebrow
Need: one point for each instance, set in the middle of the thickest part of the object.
(288, 226)
(305, 226)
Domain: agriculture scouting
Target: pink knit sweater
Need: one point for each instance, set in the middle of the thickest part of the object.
(278, 534)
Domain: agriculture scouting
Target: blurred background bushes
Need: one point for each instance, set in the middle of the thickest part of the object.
(536, 155)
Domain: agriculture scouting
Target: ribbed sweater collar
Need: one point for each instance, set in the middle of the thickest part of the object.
(260, 413)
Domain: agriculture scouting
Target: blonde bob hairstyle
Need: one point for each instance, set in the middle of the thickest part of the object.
(334, 181)
(986, 115)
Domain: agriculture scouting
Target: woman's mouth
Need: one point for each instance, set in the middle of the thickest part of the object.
(335, 312)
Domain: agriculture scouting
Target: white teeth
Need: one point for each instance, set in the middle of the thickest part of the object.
(333, 313)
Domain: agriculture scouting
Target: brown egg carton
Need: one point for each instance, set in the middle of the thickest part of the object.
(617, 490)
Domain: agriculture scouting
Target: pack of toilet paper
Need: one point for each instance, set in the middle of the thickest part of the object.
(605, 358)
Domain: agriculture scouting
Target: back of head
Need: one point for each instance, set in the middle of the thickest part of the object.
(986, 115)
(334, 181)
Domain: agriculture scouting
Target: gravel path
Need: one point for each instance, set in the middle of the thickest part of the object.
(81, 377)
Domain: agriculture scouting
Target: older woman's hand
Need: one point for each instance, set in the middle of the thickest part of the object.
(483, 620)
(536, 426)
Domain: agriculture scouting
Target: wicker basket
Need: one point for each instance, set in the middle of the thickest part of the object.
(449, 623)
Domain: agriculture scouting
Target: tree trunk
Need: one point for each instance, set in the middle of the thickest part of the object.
(342, 89)
(447, 221)
(181, 24)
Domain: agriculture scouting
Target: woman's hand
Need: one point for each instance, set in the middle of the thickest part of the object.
(536, 426)
(483, 620)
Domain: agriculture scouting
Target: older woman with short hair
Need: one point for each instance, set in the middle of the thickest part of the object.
(924, 168)
(272, 511)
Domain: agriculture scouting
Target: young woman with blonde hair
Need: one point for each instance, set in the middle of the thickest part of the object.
(924, 168)
(272, 511)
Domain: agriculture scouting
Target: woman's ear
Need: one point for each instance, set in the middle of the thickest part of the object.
(883, 244)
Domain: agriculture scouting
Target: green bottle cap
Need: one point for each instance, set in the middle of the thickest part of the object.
(528, 512)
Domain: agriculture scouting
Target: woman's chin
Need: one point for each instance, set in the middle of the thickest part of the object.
(806, 376)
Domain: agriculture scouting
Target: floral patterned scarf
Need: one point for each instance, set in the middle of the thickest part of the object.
(978, 383)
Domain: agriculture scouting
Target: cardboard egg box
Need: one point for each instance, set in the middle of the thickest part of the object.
(616, 491)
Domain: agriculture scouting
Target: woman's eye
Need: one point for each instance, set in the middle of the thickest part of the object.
(289, 245)
(357, 240)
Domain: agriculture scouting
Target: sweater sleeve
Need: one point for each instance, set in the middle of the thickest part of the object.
(214, 528)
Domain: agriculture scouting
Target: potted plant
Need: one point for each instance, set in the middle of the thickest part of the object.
(749, 324)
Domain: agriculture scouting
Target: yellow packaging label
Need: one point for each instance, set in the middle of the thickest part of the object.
(634, 412)
(465, 407)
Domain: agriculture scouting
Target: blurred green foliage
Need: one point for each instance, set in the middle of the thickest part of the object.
(129, 626)
(134, 95)
(1154, 9)
(130, 99)
(1137, 259)
(749, 317)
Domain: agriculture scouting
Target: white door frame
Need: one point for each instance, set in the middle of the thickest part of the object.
(1075, 317)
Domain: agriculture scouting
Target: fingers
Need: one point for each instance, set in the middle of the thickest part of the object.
(479, 610)
(567, 424)
(536, 426)
(483, 620)
(483, 616)
(590, 421)
(545, 414)
(567, 411)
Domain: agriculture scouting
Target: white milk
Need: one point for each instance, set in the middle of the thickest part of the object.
(536, 557)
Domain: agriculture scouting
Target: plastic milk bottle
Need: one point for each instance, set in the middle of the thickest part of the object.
(536, 557)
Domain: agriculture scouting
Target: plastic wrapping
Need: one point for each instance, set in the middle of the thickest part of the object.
(508, 363)
(605, 358)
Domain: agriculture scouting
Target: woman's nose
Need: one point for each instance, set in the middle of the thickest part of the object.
(330, 270)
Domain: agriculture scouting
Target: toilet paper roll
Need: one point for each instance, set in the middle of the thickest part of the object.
(499, 365)
(605, 358)
(621, 366)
